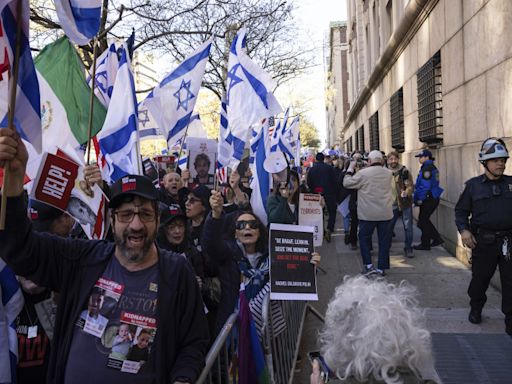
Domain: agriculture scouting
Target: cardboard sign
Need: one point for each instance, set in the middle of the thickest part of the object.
(56, 180)
(292, 276)
(311, 214)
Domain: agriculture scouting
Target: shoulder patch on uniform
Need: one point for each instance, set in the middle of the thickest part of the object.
(427, 175)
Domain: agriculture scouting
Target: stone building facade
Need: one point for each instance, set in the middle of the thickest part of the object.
(431, 74)
(337, 105)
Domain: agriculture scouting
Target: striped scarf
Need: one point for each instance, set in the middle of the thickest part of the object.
(10, 307)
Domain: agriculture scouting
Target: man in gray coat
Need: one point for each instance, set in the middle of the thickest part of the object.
(374, 209)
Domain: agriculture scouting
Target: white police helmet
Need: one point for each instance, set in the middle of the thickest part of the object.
(492, 148)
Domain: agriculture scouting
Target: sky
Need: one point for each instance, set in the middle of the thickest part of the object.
(314, 17)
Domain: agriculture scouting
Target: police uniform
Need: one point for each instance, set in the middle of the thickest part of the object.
(426, 195)
(489, 204)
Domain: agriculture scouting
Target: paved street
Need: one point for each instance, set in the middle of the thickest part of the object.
(442, 282)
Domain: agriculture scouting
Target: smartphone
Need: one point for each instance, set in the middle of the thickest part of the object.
(325, 372)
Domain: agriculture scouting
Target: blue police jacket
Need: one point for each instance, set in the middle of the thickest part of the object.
(427, 182)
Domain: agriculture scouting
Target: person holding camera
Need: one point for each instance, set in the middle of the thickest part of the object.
(487, 199)
(402, 189)
(283, 203)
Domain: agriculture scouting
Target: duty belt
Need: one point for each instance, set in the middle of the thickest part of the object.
(504, 235)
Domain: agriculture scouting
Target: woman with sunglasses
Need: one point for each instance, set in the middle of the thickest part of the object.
(244, 253)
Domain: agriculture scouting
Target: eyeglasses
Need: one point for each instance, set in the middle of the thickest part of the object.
(242, 224)
(127, 215)
(192, 200)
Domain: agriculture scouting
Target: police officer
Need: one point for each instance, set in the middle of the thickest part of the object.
(426, 196)
(488, 200)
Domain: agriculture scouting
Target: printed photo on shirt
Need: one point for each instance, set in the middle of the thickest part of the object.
(132, 344)
(103, 299)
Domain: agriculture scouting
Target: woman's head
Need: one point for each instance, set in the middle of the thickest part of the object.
(373, 327)
(250, 231)
(176, 230)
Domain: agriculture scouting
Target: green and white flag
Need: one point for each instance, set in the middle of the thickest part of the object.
(65, 97)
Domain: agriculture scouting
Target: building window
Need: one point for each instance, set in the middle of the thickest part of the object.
(359, 144)
(397, 120)
(430, 103)
(348, 145)
(374, 131)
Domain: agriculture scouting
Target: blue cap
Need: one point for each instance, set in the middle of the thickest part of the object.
(424, 153)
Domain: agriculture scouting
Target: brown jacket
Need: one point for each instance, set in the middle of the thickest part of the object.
(402, 181)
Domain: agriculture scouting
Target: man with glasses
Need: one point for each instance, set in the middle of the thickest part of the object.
(487, 199)
(142, 286)
(426, 196)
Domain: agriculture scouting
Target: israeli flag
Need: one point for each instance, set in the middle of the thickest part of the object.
(227, 143)
(80, 19)
(260, 183)
(11, 305)
(118, 139)
(27, 114)
(248, 95)
(172, 102)
(107, 65)
(289, 141)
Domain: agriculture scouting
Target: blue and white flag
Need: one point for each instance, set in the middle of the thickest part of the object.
(80, 19)
(27, 115)
(11, 305)
(148, 128)
(172, 101)
(107, 65)
(289, 141)
(248, 95)
(118, 139)
(260, 183)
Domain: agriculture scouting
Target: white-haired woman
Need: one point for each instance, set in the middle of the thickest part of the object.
(375, 333)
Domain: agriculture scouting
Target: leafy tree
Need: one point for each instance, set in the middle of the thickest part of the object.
(308, 134)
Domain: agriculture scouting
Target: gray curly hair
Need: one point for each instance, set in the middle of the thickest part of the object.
(374, 328)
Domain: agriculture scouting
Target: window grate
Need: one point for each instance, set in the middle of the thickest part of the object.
(397, 120)
(430, 103)
(374, 131)
(360, 138)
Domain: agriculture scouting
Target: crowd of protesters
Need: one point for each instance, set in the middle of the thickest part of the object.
(150, 300)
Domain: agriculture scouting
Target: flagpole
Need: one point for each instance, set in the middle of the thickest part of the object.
(12, 109)
(91, 100)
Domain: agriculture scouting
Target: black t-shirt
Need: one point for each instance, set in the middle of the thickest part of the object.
(33, 342)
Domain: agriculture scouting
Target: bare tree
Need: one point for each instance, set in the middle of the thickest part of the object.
(176, 27)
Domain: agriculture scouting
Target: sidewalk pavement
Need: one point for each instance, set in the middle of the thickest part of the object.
(442, 282)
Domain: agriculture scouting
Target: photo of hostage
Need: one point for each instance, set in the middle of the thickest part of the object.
(140, 351)
(121, 343)
(95, 303)
(202, 165)
(374, 332)
(81, 211)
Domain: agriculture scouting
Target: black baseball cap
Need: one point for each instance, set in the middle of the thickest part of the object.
(42, 215)
(203, 193)
(136, 185)
(170, 213)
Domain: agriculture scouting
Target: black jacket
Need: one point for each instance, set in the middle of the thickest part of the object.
(72, 267)
(322, 179)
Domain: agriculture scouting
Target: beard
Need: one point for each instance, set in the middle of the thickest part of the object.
(131, 254)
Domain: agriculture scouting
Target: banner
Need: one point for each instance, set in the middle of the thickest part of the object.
(292, 276)
(311, 213)
(60, 183)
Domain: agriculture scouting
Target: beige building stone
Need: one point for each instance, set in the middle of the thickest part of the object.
(390, 40)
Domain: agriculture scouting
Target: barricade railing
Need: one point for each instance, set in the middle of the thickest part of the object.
(280, 351)
(216, 369)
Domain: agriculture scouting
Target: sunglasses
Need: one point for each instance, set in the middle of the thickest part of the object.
(242, 224)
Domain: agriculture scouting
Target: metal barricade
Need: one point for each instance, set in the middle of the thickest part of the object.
(280, 351)
(216, 369)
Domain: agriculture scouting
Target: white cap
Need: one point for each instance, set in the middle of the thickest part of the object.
(275, 162)
(375, 155)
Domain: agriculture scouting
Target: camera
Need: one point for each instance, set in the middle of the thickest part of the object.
(325, 372)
